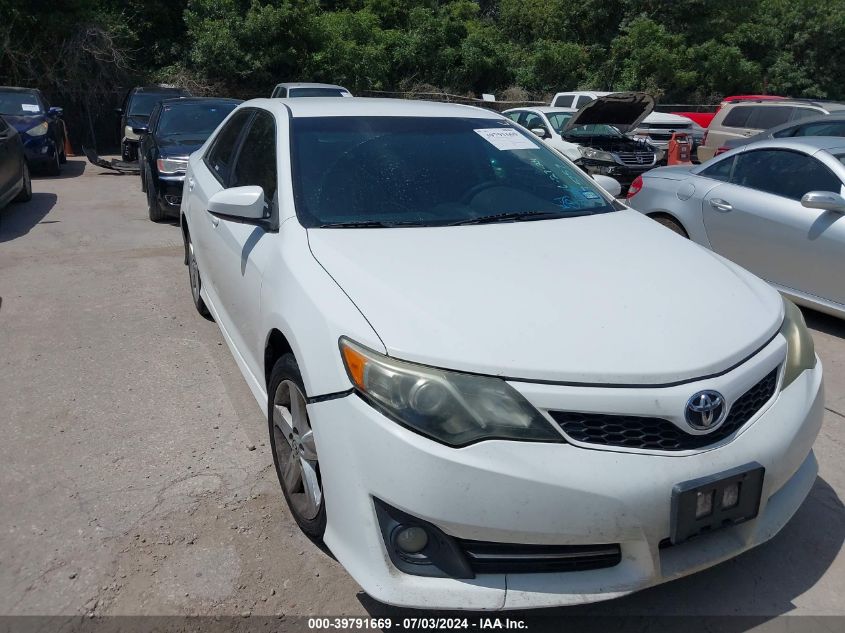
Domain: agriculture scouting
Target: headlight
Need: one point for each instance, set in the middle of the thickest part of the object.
(449, 407)
(130, 134)
(596, 154)
(39, 130)
(172, 165)
(801, 352)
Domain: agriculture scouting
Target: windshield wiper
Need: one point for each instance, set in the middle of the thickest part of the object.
(364, 224)
(511, 216)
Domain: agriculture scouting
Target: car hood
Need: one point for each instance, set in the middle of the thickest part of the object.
(605, 299)
(22, 123)
(179, 146)
(623, 110)
(667, 118)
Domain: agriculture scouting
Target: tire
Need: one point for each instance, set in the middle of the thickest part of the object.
(25, 194)
(54, 167)
(143, 180)
(62, 156)
(195, 281)
(154, 209)
(670, 224)
(293, 447)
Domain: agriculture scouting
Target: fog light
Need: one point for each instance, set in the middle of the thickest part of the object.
(411, 540)
(703, 504)
(730, 496)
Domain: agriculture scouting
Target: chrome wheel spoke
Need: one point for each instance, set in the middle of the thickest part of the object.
(292, 474)
(283, 422)
(308, 449)
(313, 496)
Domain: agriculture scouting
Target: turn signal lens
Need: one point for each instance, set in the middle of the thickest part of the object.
(801, 351)
(450, 407)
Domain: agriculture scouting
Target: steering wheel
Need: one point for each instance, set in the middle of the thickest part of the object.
(476, 189)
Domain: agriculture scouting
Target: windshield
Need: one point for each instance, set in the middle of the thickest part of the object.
(558, 119)
(317, 92)
(195, 119)
(594, 129)
(384, 171)
(20, 103)
(143, 102)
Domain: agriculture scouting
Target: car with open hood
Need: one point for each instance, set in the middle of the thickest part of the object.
(487, 383)
(176, 128)
(602, 131)
(39, 125)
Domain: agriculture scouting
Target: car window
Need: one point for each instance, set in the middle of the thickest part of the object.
(738, 116)
(835, 128)
(783, 173)
(564, 101)
(317, 92)
(513, 116)
(430, 171)
(533, 120)
(803, 113)
(20, 103)
(142, 103)
(765, 117)
(219, 157)
(582, 101)
(559, 120)
(256, 162)
(720, 170)
(193, 120)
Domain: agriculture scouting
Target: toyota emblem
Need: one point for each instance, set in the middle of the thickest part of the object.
(705, 410)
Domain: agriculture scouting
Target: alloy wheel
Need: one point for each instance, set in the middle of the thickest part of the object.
(296, 452)
(194, 274)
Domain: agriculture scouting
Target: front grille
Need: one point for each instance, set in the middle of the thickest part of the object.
(511, 558)
(630, 431)
(636, 158)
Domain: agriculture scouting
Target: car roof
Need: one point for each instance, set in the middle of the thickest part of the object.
(195, 100)
(17, 89)
(162, 89)
(305, 84)
(809, 144)
(543, 109)
(827, 105)
(365, 106)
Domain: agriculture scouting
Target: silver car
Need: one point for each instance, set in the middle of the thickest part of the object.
(775, 207)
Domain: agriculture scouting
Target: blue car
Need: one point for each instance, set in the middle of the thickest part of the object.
(40, 127)
(175, 129)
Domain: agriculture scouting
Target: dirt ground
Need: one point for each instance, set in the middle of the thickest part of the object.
(136, 475)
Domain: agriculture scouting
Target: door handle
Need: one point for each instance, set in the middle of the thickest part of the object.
(190, 184)
(720, 205)
(215, 220)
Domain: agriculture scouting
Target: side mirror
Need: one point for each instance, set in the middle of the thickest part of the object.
(611, 185)
(118, 111)
(826, 200)
(244, 204)
(539, 132)
(56, 112)
(141, 129)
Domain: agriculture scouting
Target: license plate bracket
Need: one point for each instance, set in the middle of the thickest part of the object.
(741, 487)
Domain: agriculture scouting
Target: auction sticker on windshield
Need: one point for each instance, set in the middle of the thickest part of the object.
(505, 138)
(29, 107)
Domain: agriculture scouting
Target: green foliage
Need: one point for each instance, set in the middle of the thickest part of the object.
(681, 51)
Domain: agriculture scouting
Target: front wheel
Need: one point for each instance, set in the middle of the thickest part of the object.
(294, 448)
(153, 207)
(54, 167)
(25, 194)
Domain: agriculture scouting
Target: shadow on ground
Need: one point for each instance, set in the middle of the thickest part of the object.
(732, 597)
(17, 219)
(824, 322)
(73, 168)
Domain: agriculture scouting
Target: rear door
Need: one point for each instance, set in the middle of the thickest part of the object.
(241, 248)
(757, 221)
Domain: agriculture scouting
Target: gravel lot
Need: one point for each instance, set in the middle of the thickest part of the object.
(136, 476)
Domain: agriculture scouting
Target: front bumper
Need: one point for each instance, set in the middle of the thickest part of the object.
(534, 493)
(169, 193)
(39, 150)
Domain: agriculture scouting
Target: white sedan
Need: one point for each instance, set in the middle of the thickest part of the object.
(489, 385)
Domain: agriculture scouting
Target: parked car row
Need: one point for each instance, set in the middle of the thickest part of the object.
(39, 126)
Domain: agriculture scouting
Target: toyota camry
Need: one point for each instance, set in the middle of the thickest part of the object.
(487, 383)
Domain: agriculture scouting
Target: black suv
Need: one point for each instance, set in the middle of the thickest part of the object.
(135, 112)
